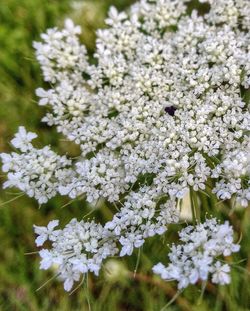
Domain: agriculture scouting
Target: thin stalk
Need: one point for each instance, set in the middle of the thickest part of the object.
(11, 200)
(203, 288)
(204, 201)
(49, 280)
(194, 217)
(87, 292)
(196, 206)
(171, 301)
(137, 261)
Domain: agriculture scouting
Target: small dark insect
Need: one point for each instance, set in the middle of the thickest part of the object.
(170, 110)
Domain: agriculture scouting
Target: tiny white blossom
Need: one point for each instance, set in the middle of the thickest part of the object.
(46, 233)
(22, 139)
(221, 274)
(46, 96)
(69, 26)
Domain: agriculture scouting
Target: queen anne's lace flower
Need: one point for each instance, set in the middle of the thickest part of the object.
(22, 139)
(46, 233)
(198, 257)
(161, 109)
(82, 246)
(37, 172)
(78, 248)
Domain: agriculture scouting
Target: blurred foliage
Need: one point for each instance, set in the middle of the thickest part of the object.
(21, 22)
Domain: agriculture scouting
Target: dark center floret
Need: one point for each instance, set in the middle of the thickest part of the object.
(170, 110)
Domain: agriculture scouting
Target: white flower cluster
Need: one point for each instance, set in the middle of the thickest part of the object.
(165, 98)
(141, 217)
(78, 248)
(232, 172)
(198, 257)
(37, 172)
(161, 109)
(82, 246)
(61, 53)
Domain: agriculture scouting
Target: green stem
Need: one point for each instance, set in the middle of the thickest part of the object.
(195, 206)
(192, 206)
(204, 201)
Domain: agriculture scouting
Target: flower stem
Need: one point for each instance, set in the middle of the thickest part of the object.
(195, 206)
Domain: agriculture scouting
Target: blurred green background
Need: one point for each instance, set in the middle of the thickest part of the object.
(21, 22)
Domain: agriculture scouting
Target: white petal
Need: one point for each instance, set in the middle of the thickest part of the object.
(41, 239)
(52, 224)
(41, 92)
(68, 284)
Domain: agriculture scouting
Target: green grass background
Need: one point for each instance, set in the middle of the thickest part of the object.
(21, 22)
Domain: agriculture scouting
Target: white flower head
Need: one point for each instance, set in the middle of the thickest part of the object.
(22, 139)
(70, 27)
(160, 111)
(196, 258)
(46, 96)
(46, 233)
(221, 274)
